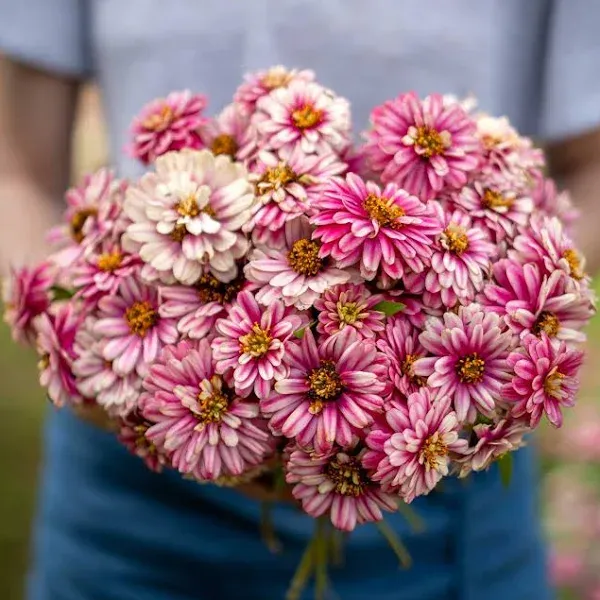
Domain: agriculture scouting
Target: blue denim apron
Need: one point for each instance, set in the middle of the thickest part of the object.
(109, 529)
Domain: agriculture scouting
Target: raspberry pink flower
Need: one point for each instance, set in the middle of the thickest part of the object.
(228, 131)
(423, 146)
(337, 484)
(388, 231)
(56, 348)
(411, 451)
(296, 274)
(197, 307)
(168, 124)
(251, 343)
(26, 294)
(305, 115)
(188, 215)
(547, 200)
(467, 359)
(133, 328)
(349, 306)
(332, 391)
(545, 379)
(204, 427)
(535, 303)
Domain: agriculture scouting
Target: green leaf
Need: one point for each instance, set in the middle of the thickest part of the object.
(299, 333)
(505, 464)
(60, 293)
(389, 308)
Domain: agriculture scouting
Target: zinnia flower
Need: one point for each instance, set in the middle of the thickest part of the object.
(251, 343)
(423, 146)
(337, 484)
(227, 133)
(545, 379)
(547, 200)
(468, 359)
(349, 305)
(411, 451)
(204, 427)
(188, 215)
(168, 124)
(332, 391)
(387, 230)
(135, 330)
(26, 294)
(295, 274)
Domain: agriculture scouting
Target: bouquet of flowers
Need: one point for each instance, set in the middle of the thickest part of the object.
(360, 321)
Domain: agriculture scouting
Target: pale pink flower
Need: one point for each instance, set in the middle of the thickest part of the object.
(411, 451)
(168, 124)
(133, 328)
(544, 381)
(26, 294)
(188, 215)
(533, 302)
(388, 231)
(467, 360)
(262, 83)
(197, 307)
(400, 343)
(56, 347)
(461, 259)
(296, 274)
(423, 146)
(349, 305)
(205, 428)
(548, 200)
(332, 391)
(336, 484)
(303, 114)
(567, 568)
(286, 185)
(251, 343)
(227, 133)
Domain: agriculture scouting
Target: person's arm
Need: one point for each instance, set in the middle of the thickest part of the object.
(36, 120)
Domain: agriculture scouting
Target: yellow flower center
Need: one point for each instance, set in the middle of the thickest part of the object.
(434, 451)
(210, 289)
(470, 368)
(553, 384)
(307, 117)
(188, 207)
(324, 385)
(407, 369)
(277, 177)
(573, 259)
(494, 200)
(110, 261)
(179, 232)
(349, 477)
(160, 120)
(276, 78)
(383, 210)
(547, 322)
(431, 141)
(44, 362)
(304, 258)
(141, 441)
(141, 317)
(256, 343)
(224, 144)
(455, 239)
(78, 221)
(348, 313)
(213, 402)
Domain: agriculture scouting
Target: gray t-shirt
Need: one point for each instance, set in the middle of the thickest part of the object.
(533, 60)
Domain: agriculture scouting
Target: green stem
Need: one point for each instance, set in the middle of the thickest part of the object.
(396, 544)
(336, 543)
(321, 558)
(303, 572)
(267, 530)
(416, 523)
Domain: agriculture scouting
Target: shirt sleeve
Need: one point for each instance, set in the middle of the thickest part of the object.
(49, 34)
(570, 94)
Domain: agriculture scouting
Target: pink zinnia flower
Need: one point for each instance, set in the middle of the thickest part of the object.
(286, 185)
(26, 294)
(168, 124)
(422, 145)
(332, 391)
(534, 302)
(306, 115)
(411, 451)
(189, 214)
(295, 274)
(197, 307)
(468, 359)
(387, 230)
(400, 343)
(548, 200)
(338, 485)
(56, 347)
(135, 330)
(251, 343)
(261, 83)
(227, 133)
(566, 569)
(349, 305)
(544, 381)
(197, 419)
(461, 259)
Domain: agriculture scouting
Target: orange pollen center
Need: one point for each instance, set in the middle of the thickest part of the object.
(431, 141)
(434, 451)
(455, 239)
(383, 210)
(257, 342)
(276, 79)
(324, 385)
(553, 384)
(44, 362)
(573, 259)
(304, 258)
(78, 221)
(307, 117)
(348, 313)
(188, 207)
(141, 317)
(277, 177)
(407, 369)
(470, 368)
(224, 144)
(349, 477)
(213, 402)
(141, 441)
(492, 199)
(178, 233)
(210, 289)
(110, 261)
(546, 322)
(159, 120)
